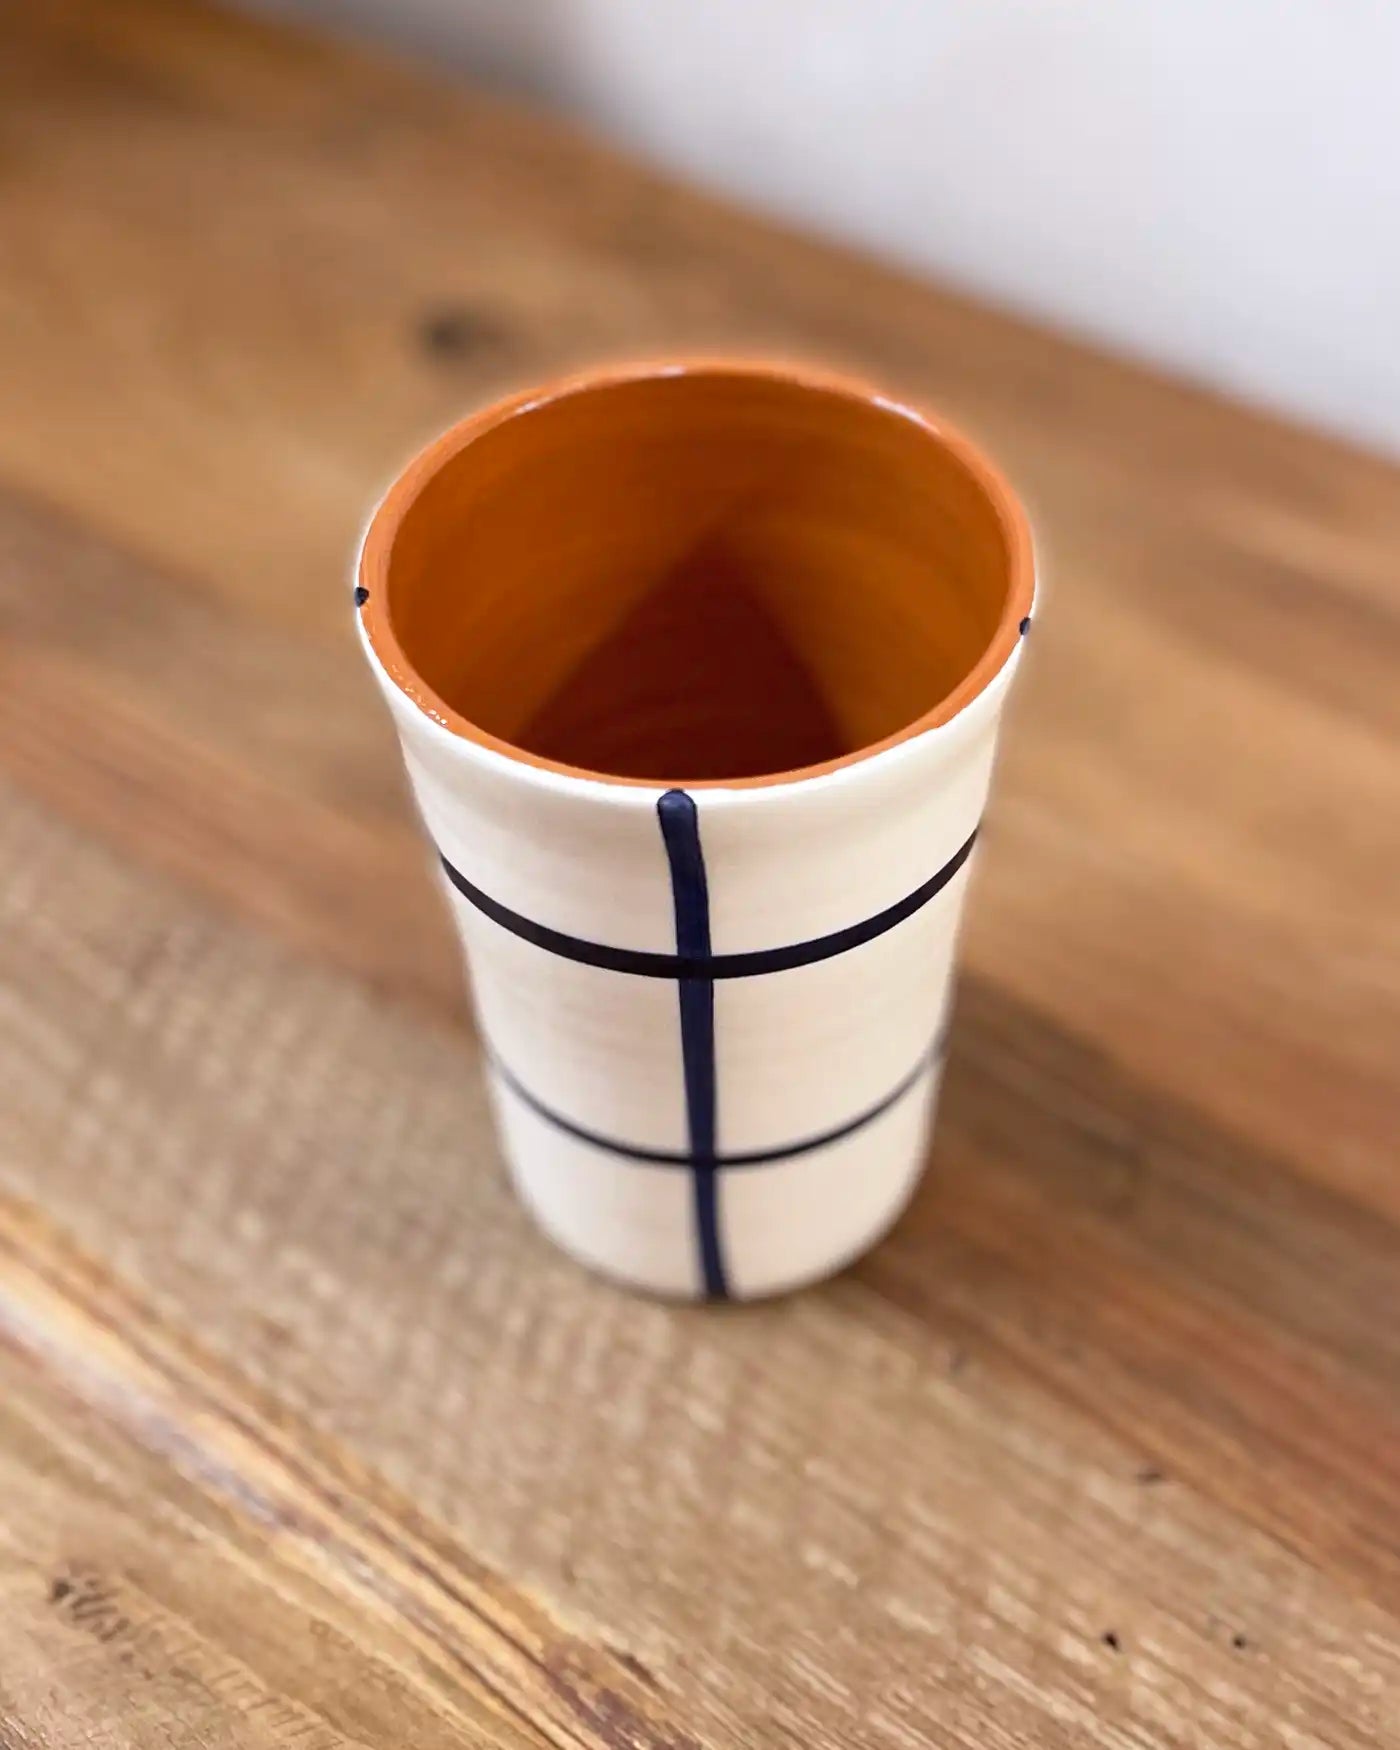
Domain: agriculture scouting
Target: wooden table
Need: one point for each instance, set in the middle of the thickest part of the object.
(306, 1439)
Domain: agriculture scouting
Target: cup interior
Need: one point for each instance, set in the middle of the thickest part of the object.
(698, 575)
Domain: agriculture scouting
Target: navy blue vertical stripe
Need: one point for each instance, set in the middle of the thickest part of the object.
(680, 829)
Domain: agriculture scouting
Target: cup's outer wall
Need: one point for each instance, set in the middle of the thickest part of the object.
(845, 1047)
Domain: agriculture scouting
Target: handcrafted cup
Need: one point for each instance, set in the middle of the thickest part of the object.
(697, 670)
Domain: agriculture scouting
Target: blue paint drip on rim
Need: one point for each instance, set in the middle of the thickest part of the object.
(680, 830)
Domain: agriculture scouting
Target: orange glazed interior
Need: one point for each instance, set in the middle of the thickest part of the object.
(698, 574)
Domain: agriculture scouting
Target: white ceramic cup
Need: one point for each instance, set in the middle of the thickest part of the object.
(698, 671)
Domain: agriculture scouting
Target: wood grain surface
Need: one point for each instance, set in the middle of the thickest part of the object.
(306, 1438)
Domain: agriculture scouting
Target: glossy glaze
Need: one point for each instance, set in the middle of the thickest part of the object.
(696, 575)
(713, 1005)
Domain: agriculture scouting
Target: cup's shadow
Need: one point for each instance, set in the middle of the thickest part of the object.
(1080, 1224)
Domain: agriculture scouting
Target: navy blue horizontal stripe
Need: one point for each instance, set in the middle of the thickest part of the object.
(759, 1157)
(750, 965)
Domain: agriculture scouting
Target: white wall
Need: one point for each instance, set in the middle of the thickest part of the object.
(1213, 184)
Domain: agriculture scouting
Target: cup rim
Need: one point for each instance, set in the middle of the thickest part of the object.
(387, 518)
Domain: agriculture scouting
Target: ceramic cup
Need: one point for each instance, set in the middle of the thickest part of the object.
(697, 670)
